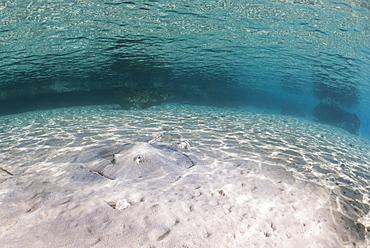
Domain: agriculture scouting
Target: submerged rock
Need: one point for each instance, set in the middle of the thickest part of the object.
(332, 114)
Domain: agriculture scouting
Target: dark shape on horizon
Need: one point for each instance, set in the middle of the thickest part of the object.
(220, 90)
(51, 101)
(346, 94)
(330, 113)
(335, 79)
(144, 82)
(288, 109)
(141, 74)
(140, 98)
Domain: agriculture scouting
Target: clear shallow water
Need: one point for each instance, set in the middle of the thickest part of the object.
(258, 41)
(259, 179)
(258, 54)
(263, 53)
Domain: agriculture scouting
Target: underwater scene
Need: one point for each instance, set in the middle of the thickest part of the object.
(221, 123)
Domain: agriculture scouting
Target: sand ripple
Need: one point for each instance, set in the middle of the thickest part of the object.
(213, 178)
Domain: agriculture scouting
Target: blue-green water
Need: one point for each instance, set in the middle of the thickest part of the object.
(238, 53)
(306, 58)
(296, 52)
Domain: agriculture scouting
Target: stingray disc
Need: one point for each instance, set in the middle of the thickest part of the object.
(138, 160)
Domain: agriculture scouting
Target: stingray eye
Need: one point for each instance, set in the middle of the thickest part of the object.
(139, 159)
(113, 161)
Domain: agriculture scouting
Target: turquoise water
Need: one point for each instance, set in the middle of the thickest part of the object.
(265, 63)
(237, 53)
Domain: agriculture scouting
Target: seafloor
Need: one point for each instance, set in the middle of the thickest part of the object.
(180, 176)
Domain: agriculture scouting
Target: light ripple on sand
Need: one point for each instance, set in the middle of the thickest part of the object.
(259, 180)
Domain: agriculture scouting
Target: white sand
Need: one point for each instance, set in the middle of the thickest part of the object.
(181, 176)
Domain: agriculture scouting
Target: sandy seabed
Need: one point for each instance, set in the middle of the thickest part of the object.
(180, 176)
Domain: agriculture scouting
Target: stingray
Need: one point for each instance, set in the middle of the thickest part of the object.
(140, 160)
